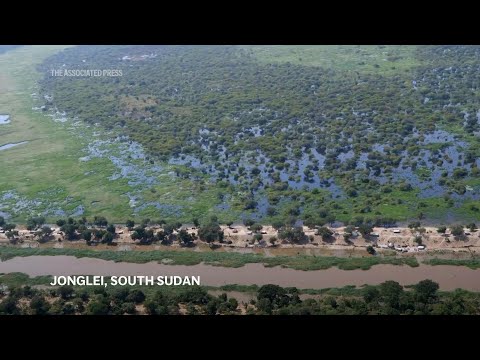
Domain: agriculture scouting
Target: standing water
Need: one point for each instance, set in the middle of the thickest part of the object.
(8, 146)
(4, 119)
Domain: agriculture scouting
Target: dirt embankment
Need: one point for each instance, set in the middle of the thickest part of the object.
(240, 237)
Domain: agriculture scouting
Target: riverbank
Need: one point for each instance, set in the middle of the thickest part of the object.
(214, 258)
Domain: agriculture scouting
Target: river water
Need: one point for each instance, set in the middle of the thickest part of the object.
(449, 277)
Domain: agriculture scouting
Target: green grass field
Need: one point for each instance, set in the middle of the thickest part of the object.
(49, 162)
(46, 174)
(379, 59)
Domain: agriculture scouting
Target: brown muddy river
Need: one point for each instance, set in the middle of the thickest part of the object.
(449, 277)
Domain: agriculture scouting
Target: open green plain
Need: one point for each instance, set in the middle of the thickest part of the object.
(46, 173)
(49, 162)
(378, 59)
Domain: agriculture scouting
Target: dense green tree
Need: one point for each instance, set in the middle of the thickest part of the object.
(100, 221)
(130, 224)
(129, 308)
(365, 229)
(371, 294)
(169, 228)
(277, 225)
(111, 229)
(472, 227)
(295, 234)
(195, 295)
(265, 305)
(256, 227)
(11, 235)
(135, 296)
(186, 238)
(324, 232)
(414, 225)
(65, 292)
(212, 307)
(442, 229)
(34, 223)
(9, 226)
(210, 233)
(70, 231)
(349, 229)
(426, 291)
(107, 238)
(39, 305)
(271, 211)
(8, 306)
(43, 235)
(97, 307)
(87, 235)
(78, 305)
(371, 250)
(457, 230)
(391, 292)
(271, 292)
(248, 222)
